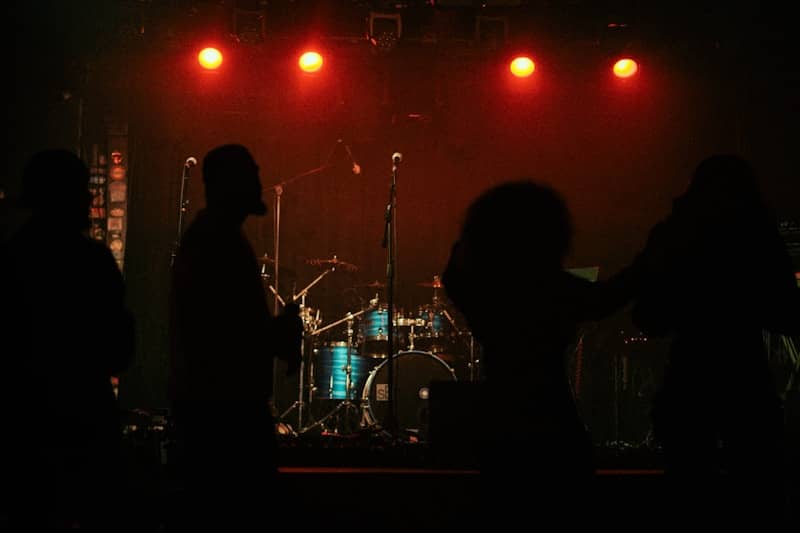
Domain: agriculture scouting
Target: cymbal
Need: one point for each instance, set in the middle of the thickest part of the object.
(334, 262)
(374, 284)
(267, 264)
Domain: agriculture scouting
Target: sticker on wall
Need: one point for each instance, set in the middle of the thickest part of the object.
(98, 198)
(114, 224)
(98, 233)
(117, 173)
(117, 192)
(117, 212)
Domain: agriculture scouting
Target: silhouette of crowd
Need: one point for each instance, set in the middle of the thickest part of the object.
(713, 275)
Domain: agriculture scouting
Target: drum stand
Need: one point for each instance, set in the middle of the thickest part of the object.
(345, 407)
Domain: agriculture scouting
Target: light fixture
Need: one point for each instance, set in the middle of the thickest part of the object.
(522, 66)
(384, 31)
(210, 58)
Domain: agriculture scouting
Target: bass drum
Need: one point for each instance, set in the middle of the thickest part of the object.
(414, 371)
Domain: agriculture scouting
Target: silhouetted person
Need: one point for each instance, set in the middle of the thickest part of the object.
(718, 274)
(66, 333)
(506, 275)
(224, 344)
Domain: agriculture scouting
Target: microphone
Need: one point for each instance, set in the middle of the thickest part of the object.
(397, 157)
(190, 162)
(356, 167)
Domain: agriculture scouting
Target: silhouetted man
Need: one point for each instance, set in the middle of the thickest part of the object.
(224, 344)
(66, 333)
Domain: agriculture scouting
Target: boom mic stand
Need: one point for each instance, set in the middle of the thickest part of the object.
(278, 190)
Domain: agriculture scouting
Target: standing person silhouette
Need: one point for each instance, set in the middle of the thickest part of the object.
(224, 343)
(719, 274)
(506, 275)
(66, 332)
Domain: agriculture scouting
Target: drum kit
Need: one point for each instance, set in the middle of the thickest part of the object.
(344, 373)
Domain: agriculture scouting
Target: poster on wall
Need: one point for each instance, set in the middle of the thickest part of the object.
(117, 197)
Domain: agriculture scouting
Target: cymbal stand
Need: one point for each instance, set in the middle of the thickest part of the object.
(346, 405)
(302, 293)
(265, 278)
(347, 317)
(474, 361)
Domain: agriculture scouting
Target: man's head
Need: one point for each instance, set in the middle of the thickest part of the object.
(55, 184)
(232, 183)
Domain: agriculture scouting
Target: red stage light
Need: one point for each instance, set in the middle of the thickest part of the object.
(625, 68)
(209, 58)
(310, 62)
(522, 66)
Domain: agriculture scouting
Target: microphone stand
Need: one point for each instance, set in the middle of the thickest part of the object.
(390, 243)
(183, 206)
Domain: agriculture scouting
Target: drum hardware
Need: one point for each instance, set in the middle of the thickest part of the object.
(311, 324)
(348, 316)
(435, 338)
(268, 264)
(435, 316)
(473, 363)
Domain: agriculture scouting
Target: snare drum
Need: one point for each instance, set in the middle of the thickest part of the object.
(329, 376)
(414, 371)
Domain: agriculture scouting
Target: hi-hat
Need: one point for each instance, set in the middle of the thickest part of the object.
(333, 263)
(435, 284)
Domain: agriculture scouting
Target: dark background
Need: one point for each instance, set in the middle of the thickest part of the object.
(715, 77)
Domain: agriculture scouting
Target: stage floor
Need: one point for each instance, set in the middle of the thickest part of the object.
(366, 480)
